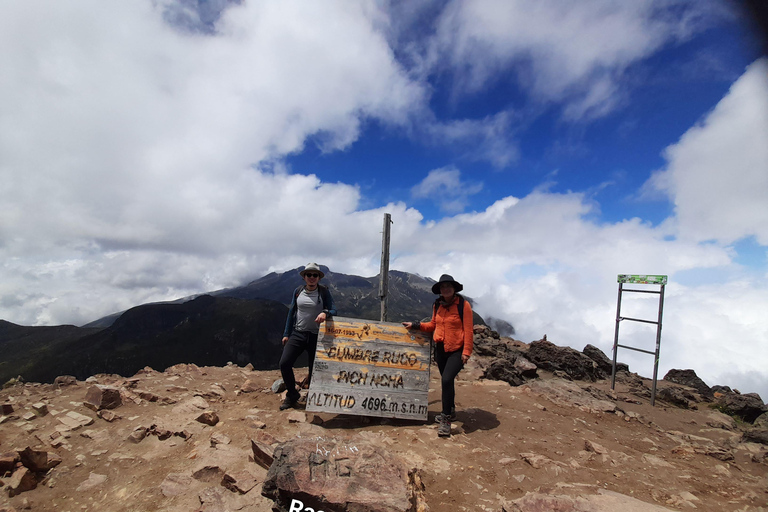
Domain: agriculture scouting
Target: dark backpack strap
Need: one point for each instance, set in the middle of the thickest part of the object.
(323, 292)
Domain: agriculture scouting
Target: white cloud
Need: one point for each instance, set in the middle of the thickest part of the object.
(127, 145)
(120, 131)
(489, 139)
(538, 261)
(717, 174)
(445, 188)
(572, 52)
(574, 55)
(557, 276)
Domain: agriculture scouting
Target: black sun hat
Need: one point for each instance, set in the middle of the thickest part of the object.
(445, 278)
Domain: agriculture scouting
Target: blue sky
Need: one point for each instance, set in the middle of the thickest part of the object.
(158, 149)
(610, 157)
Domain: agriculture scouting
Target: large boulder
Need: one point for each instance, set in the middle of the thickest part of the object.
(39, 461)
(603, 362)
(488, 343)
(489, 347)
(756, 435)
(690, 379)
(677, 396)
(513, 368)
(748, 407)
(573, 363)
(503, 368)
(501, 358)
(65, 380)
(102, 397)
(336, 476)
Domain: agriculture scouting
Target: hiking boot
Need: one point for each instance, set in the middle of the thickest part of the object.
(288, 403)
(444, 430)
(451, 417)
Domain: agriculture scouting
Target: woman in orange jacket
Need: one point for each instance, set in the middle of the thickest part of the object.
(453, 335)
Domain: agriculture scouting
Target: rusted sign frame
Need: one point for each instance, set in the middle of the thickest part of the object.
(369, 368)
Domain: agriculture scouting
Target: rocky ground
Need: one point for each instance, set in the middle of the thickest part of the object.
(182, 439)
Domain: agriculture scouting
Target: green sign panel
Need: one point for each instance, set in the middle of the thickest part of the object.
(642, 279)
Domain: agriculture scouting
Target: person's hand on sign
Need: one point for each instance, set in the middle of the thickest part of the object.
(408, 325)
(320, 318)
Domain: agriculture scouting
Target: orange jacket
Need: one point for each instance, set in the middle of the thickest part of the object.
(446, 325)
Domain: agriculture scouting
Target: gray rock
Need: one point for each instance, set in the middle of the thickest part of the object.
(240, 482)
(278, 386)
(38, 460)
(489, 347)
(249, 386)
(756, 435)
(603, 362)
(74, 420)
(108, 416)
(22, 480)
(576, 365)
(526, 368)
(263, 454)
(65, 380)
(717, 419)
(8, 462)
(208, 473)
(690, 379)
(102, 397)
(209, 418)
(138, 435)
(341, 475)
(503, 368)
(678, 397)
(747, 407)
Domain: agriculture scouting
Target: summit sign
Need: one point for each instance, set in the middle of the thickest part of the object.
(370, 368)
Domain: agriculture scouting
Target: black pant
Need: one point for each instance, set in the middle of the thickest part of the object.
(449, 364)
(298, 342)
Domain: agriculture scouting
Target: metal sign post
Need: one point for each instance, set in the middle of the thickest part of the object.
(660, 280)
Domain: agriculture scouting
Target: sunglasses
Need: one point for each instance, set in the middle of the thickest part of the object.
(310, 274)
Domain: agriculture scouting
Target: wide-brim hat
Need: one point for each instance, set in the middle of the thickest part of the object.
(312, 267)
(445, 278)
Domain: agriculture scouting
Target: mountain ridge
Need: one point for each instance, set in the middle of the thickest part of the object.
(242, 324)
